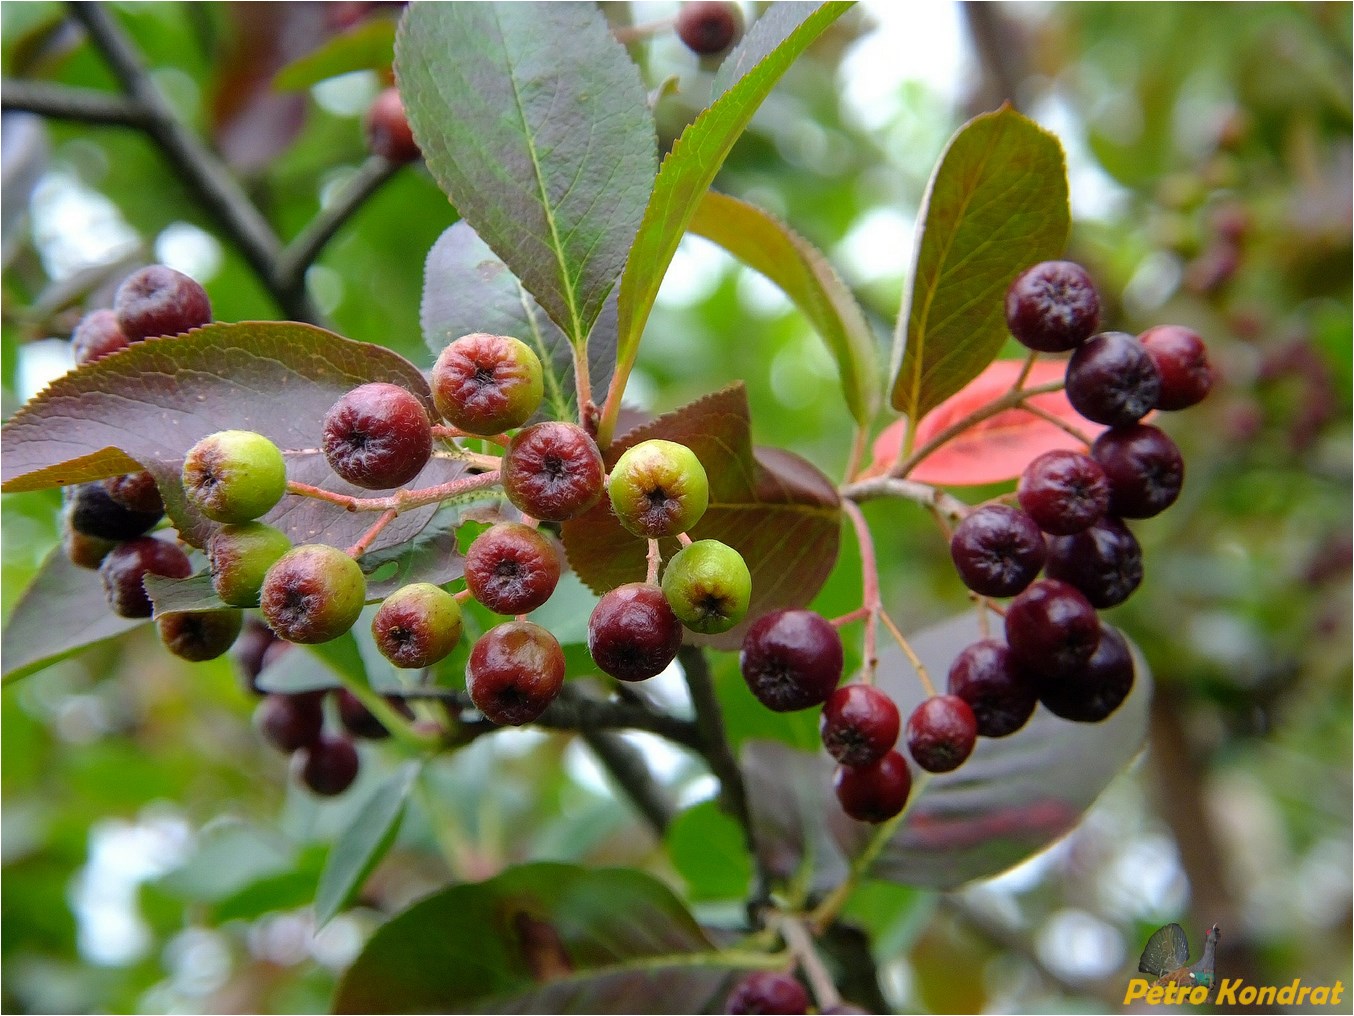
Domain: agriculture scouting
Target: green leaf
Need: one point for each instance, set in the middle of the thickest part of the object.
(690, 168)
(543, 937)
(309, 668)
(707, 849)
(766, 244)
(532, 119)
(996, 204)
(363, 843)
(367, 46)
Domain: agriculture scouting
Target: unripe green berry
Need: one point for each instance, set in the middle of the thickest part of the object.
(658, 488)
(313, 593)
(708, 586)
(234, 475)
(240, 555)
(199, 635)
(417, 625)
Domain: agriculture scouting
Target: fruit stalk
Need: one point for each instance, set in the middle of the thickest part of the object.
(401, 500)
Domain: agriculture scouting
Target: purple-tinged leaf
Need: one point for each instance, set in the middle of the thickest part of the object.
(369, 45)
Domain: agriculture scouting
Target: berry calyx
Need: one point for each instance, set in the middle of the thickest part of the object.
(156, 300)
(941, 733)
(986, 677)
(1182, 361)
(377, 436)
(1104, 562)
(997, 550)
(96, 336)
(417, 625)
(1098, 689)
(791, 659)
(515, 672)
(553, 471)
(512, 568)
(486, 384)
(312, 594)
(1112, 380)
(387, 128)
(1144, 467)
(1052, 307)
(136, 492)
(708, 586)
(658, 488)
(1063, 491)
(859, 724)
(328, 765)
(1052, 628)
(199, 635)
(360, 721)
(876, 792)
(127, 565)
(708, 27)
(290, 722)
(92, 510)
(240, 555)
(767, 991)
(633, 633)
(234, 475)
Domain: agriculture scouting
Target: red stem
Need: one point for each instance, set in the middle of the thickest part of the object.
(401, 500)
(360, 547)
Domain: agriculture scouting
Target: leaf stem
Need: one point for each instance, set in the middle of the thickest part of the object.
(870, 582)
(583, 384)
(611, 406)
(799, 940)
(400, 501)
(909, 652)
(857, 453)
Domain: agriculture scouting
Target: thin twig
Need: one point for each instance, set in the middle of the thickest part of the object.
(909, 490)
(909, 652)
(360, 547)
(655, 558)
(401, 500)
(62, 102)
(627, 767)
(799, 940)
(869, 570)
(1059, 422)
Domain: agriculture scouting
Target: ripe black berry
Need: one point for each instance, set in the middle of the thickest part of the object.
(1051, 628)
(1052, 307)
(553, 471)
(96, 336)
(387, 127)
(512, 568)
(199, 635)
(486, 384)
(791, 659)
(91, 510)
(234, 475)
(1182, 361)
(708, 27)
(876, 792)
(136, 492)
(360, 721)
(289, 722)
(1098, 689)
(1144, 467)
(157, 300)
(417, 625)
(658, 488)
(1112, 380)
(515, 671)
(997, 550)
(328, 765)
(312, 594)
(1063, 491)
(859, 724)
(767, 991)
(1104, 562)
(708, 586)
(633, 633)
(985, 676)
(941, 733)
(377, 436)
(129, 563)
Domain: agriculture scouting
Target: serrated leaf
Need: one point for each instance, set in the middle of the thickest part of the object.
(363, 843)
(547, 150)
(763, 242)
(996, 204)
(367, 46)
(770, 505)
(774, 25)
(690, 168)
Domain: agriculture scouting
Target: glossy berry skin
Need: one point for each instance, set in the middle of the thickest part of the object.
(1063, 491)
(708, 586)
(767, 991)
(136, 492)
(859, 725)
(633, 633)
(240, 555)
(486, 384)
(199, 635)
(1098, 689)
(1001, 696)
(997, 550)
(876, 792)
(156, 300)
(512, 568)
(290, 722)
(96, 336)
(708, 27)
(1181, 359)
(791, 659)
(387, 128)
(1112, 380)
(941, 733)
(515, 671)
(1144, 467)
(360, 721)
(553, 471)
(1052, 307)
(417, 625)
(377, 436)
(91, 510)
(658, 488)
(1052, 628)
(328, 765)
(1104, 562)
(127, 565)
(312, 594)
(234, 475)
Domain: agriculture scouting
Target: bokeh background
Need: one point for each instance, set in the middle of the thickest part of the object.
(155, 856)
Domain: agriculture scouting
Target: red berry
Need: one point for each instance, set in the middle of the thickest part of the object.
(1001, 696)
(388, 132)
(417, 625)
(290, 722)
(941, 733)
(328, 765)
(708, 27)
(767, 991)
(633, 633)
(1063, 491)
(1144, 467)
(1112, 380)
(486, 384)
(1098, 689)
(876, 792)
(378, 436)
(553, 471)
(156, 300)
(997, 550)
(136, 492)
(96, 336)
(1104, 562)
(1052, 307)
(249, 651)
(512, 568)
(1051, 628)
(515, 672)
(1182, 361)
(199, 635)
(859, 725)
(129, 563)
(791, 659)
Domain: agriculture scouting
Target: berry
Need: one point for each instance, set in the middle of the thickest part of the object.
(553, 471)
(129, 563)
(767, 991)
(328, 765)
(1063, 491)
(1144, 467)
(708, 586)
(359, 721)
(876, 792)
(234, 475)
(997, 550)
(1182, 361)
(486, 384)
(791, 659)
(511, 568)
(199, 635)
(312, 594)
(387, 128)
(82, 550)
(515, 671)
(985, 676)
(417, 625)
(941, 733)
(136, 492)
(1099, 688)
(250, 650)
(1104, 562)
(239, 556)
(658, 488)
(289, 722)
(1052, 307)
(157, 300)
(1052, 628)
(377, 436)
(859, 725)
(91, 510)
(1112, 380)
(633, 633)
(96, 336)
(708, 27)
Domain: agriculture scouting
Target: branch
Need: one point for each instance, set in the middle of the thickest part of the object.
(909, 490)
(61, 102)
(627, 767)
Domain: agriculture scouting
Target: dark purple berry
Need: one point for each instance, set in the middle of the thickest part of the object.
(553, 471)
(96, 336)
(156, 300)
(1144, 467)
(199, 635)
(512, 568)
(388, 132)
(997, 550)
(1097, 689)
(249, 652)
(708, 27)
(859, 725)
(633, 633)
(1104, 562)
(129, 563)
(1052, 307)
(290, 722)
(360, 721)
(1182, 361)
(941, 733)
(328, 765)
(1112, 380)
(91, 509)
(1063, 491)
(1052, 628)
(515, 671)
(791, 659)
(378, 436)
(83, 550)
(136, 492)
(1001, 696)
(876, 792)
(767, 991)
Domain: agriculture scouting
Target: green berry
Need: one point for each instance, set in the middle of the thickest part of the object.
(199, 635)
(240, 555)
(234, 475)
(417, 625)
(313, 593)
(708, 586)
(658, 488)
